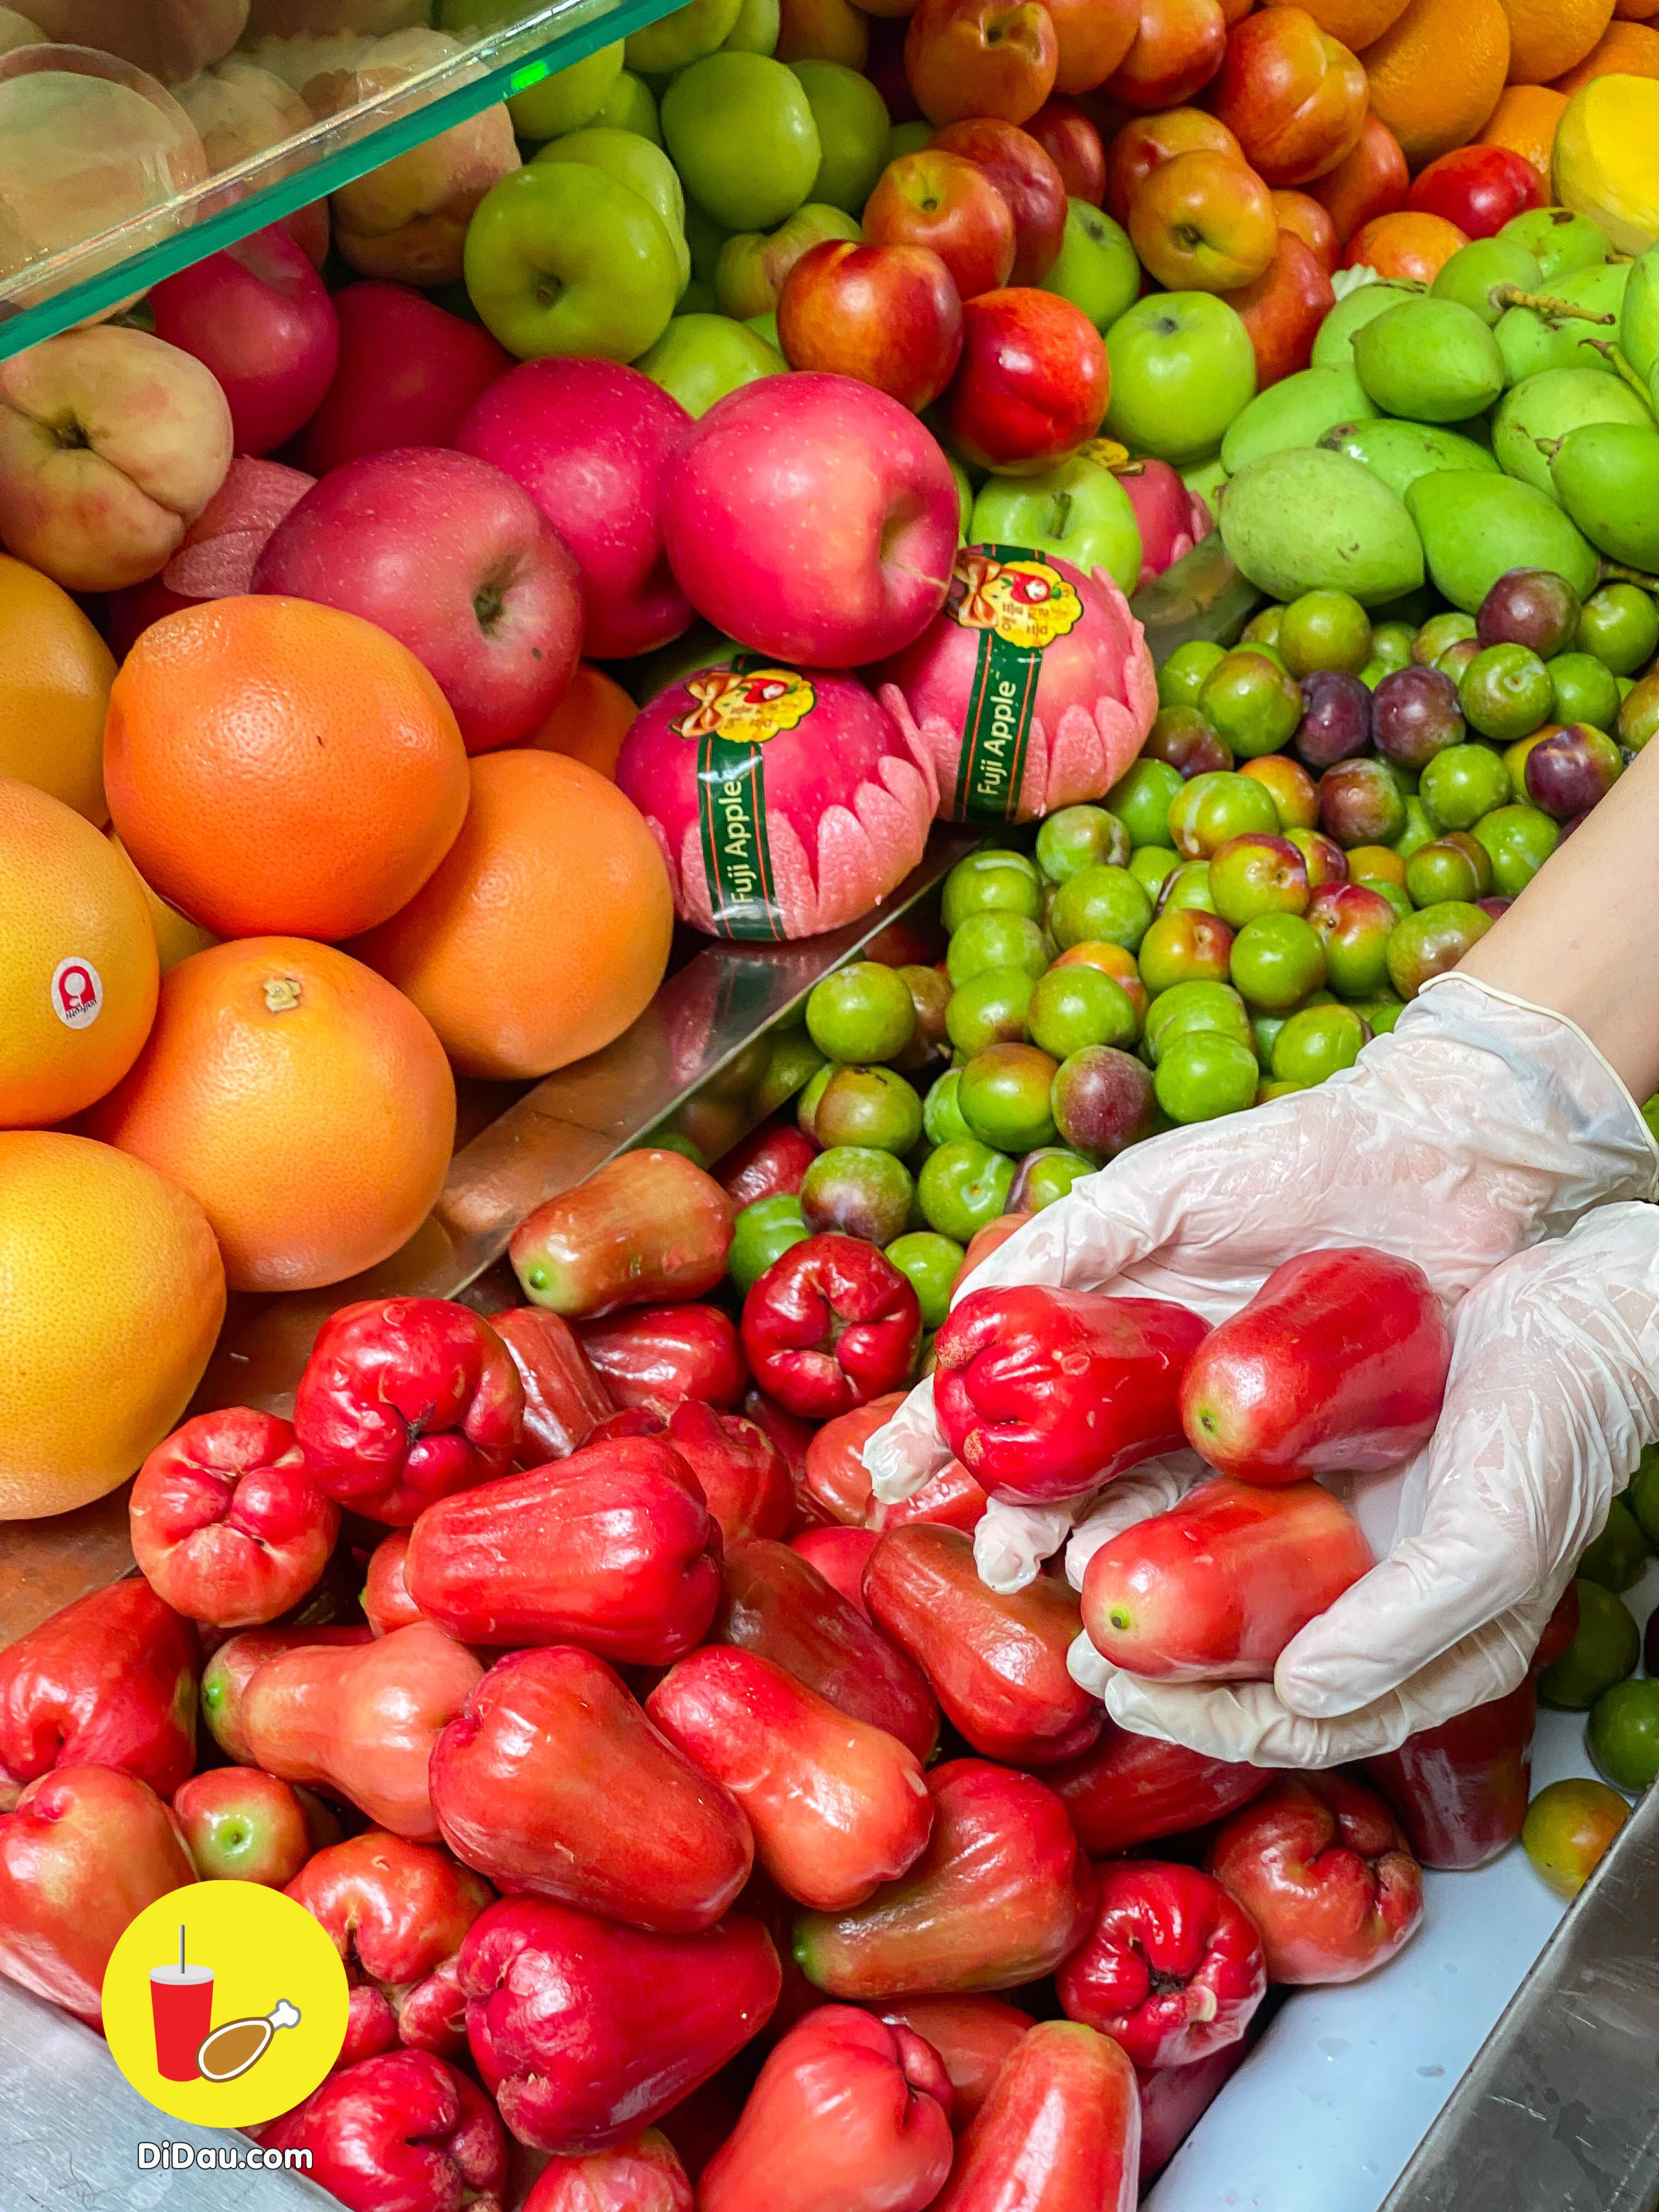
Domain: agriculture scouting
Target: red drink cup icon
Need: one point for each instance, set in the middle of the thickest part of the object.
(181, 2005)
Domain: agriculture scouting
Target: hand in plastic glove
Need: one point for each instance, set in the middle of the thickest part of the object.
(1408, 1151)
(1553, 1396)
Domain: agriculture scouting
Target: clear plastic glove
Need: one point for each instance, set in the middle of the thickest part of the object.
(1481, 1126)
(1553, 1396)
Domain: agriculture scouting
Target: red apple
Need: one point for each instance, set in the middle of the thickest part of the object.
(408, 373)
(590, 440)
(1282, 310)
(1204, 222)
(1027, 179)
(1094, 37)
(258, 316)
(1146, 140)
(1294, 97)
(1032, 384)
(1371, 180)
(452, 558)
(1479, 188)
(886, 314)
(217, 555)
(813, 519)
(980, 58)
(1073, 145)
(1300, 214)
(949, 206)
(1178, 48)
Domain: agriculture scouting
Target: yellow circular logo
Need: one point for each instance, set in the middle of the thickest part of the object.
(225, 2004)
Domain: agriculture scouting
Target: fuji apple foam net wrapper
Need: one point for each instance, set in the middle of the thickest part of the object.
(1033, 690)
(786, 801)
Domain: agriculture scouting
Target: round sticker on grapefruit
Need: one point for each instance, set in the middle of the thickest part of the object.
(78, 994)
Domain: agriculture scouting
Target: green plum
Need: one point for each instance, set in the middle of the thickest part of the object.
(988, 1009)
(1152, 866)
(1618, 1557)
(1046, 1176)
(1605, 1647)
(1435, 939)
(761, 1233)
(868, 1106)
(1465, 782)
(1181, 677)
(1518, 840)
(1506, 693)
(1252, 704)
(1455, 867)
(1204, 1075)
(1316, 1042)
(1141, 799)
(1276, 960)
(861, 1013)
(1184, 946)
(1213, 807)
(993, 939)
(1101, 904)
(858, 1191)
(1189, 1006)
(1188, 888)
(962, 1188)
(854, 132)
(941, 1116)
(1078, 838)
(1075, 1006)
(1620, 624)
(930, 1263)
(1325, 629)
(1004, 1097)
(1097, 270)
(1585, 688)
(988, 880)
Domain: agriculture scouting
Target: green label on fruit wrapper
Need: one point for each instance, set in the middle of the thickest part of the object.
(1019, 605)
(736, 710)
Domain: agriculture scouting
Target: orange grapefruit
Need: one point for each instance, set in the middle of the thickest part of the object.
(1436, 72)
(590, 722)
(55, 675)
(278, 767)
(1524, 120)
(77, 960)
(112, 1294)
(545, 929)
(306, 1103)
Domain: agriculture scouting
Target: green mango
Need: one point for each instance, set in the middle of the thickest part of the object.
(1431, 360)
(1531, 342)
(1399, 452)
(1333, 346)
(1475, 527)
(1558, 241)
(1540, 410)
(1607, 476)
(1307, 520)
(1298, 410)
(1477, 276)
(1639, 319)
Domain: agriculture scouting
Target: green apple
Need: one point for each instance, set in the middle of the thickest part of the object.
(764, 326)
(643, 167)
(561, 258)
(1182, 366)
(700, 358)
(1077, 509)
(753, 264)
(910, 138)
(684, 37)
(630, 106)
(740, 128)
(756, 31)
(1097, 270)
(855, 131)
(570, 98)
(964, 499)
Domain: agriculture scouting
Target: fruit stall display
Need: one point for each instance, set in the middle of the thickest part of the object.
(694, 498)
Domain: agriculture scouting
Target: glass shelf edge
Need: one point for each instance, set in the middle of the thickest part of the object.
(356, 142)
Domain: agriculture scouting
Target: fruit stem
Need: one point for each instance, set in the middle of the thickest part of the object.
(1613, 571)
(1617, 362)
(1512, 295)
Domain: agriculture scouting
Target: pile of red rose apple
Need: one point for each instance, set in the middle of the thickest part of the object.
(726, 1852)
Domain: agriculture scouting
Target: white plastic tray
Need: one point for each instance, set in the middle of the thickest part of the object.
(1328, 2107)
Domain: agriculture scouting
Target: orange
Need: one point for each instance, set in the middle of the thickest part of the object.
(1436, 74)
(176, 936)
(590, 722)
(1417, 247)
(1524, 120)
(545, 931)
(305, 1101)
(55, 675)
(1355, 22)
(78, 967)
(1549, 36)
(1624, 50)
(275, 766)
(1637, 11)
(112, 1294)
